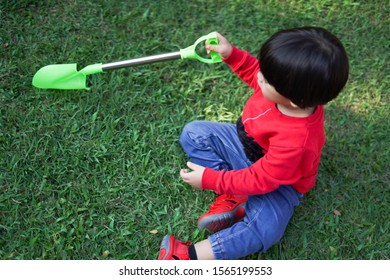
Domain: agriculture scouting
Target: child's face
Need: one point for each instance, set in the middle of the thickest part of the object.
(269, 91)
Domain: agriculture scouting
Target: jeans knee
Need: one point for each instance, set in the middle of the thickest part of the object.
(191, 128)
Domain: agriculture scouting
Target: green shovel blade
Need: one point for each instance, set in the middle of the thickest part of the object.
(64, 76)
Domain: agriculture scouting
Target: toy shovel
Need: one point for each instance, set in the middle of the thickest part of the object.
(66, 76)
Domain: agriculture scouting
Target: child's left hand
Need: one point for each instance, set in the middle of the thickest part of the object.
(193, 178)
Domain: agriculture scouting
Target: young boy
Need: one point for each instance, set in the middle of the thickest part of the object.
(262, 166)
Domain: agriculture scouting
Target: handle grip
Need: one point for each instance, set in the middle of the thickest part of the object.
(190, 52)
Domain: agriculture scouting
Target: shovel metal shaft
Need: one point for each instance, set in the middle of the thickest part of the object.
(141, 60)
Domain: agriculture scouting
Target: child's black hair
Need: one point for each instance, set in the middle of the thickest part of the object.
(308, 65)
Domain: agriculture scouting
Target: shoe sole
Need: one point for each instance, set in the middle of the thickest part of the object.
(165, 245)
(221, 221)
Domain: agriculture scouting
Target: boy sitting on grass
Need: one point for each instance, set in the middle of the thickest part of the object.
(262, 165)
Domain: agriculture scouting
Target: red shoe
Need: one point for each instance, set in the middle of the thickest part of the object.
(226, 210)
(173, 249)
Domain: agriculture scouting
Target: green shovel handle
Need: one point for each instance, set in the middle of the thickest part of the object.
(190, 52)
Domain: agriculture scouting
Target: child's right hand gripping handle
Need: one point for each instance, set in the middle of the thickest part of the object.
(215, 57)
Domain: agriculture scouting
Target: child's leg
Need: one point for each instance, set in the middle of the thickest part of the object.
(204, 251)
(265, 222)
(214, 145)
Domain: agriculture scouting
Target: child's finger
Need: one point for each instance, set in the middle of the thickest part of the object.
(185, 175)
(183, 172)
(192, 165)
(210, 47)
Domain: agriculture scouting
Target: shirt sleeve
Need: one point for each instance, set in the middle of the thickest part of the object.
(280, 166)
(244, 65)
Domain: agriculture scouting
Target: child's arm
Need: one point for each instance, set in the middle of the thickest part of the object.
(287, 166)
(242, 63)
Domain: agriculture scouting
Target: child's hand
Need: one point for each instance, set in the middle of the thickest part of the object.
(224, 48)
(193, 178)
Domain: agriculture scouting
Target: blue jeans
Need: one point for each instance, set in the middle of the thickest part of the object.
(216, 145)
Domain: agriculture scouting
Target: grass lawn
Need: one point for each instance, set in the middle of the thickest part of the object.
(95, 174)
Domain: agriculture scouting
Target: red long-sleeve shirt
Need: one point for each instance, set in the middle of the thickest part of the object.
(292, 145)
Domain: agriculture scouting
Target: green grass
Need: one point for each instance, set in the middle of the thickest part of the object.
(82, 172)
